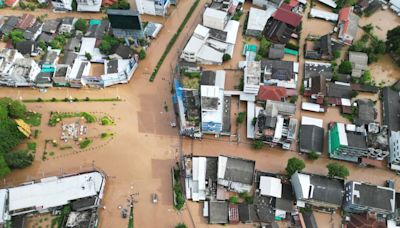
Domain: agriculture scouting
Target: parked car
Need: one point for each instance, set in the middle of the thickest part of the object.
(154, 198)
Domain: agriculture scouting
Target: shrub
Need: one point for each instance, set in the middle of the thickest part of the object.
(181, 225)
(18, 160)
(85, 143)
(240, 118)
(234, 199)
(313, 155)
(142, 54)
(294, 164)
(226, 57)
(264, 47)
(88, 56)
(257, 144)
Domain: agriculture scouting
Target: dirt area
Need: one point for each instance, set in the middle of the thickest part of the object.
(325, 220)
(383, 21)
(385, 70)
(40, 221)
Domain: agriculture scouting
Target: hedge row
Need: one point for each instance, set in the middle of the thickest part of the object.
(173, 40)
(87, 99)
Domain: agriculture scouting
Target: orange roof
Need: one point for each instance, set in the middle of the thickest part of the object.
(10, 2)
(273, 93)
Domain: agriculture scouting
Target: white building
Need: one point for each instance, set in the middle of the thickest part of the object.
(191, 49)
(49, 193)
(196, 183)
(118, 71)
(152, 7)
(252, 77)
(215, 19)
(394, 147)
(235, 173)
(257, 20)
(325, 15)
(212, 101)
(270, 186)
(395, 6)
(62, 5)
(88, 5)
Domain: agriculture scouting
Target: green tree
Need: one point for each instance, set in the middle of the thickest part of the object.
(313, 155)
(393, 43)
(19, 159)
(234, 199)
(142, 54)
(257, 144)
(264, 47)
(337, 170)
(88, 56)
(181, 225)
(240, 117)
(345, 67)
(4, 170)
(105, 47)
(336, 54)
(226, 57)
(81, 25)
(16, 36)
(366, 78)
(294, 164)
(16, 109)
(368, 28)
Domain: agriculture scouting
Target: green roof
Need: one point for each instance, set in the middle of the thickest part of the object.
(334, 141)
(249, 47)
(291, 52)
(94, 22)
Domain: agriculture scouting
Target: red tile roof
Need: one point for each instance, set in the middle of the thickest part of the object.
(233, 213)
(293, 3)
(344, 14)
(274, 93)
(287, 17)
(362, 221)
(10, 2)
(286, 6)
(108, 2)
(26, 21)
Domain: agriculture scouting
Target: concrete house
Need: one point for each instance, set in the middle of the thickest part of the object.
(367, 198)
(153, 7)
(257, 20)
(236, 174)
(215, 19)
(318, 191)
(348, 25)
(359, 61)
(311, 135)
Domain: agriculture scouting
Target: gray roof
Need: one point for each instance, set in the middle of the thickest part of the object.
(276, 51)
(45, 38)
(240, 170)
(98, 30)
(218, 212)
(280, 70)
(123, 51)
(339, 90)
(50, 26)
(356, 140)
(30, 32)
(284, 108)
(309, 220)
(391, 108)
(72, 43)
(217, 34)
(25, 47)
(311, 139)
(112, 66)
(374, 196)
(67, 20)
(312, 70)
(366, 112)
(123, 12)
(208, 78)
(359, 60)
(69, 58)
(329, 190)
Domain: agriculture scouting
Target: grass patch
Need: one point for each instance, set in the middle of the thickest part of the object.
(51, 153)
(31, 146)
(33, 118)
(105, 120)
(173, 40)
(85, 143)
(56, 117)
(130, 223)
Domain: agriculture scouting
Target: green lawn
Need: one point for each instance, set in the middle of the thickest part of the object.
(33, 118)
(56, 117)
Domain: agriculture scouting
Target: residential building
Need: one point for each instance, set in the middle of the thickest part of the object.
(26, 21)
(320, 50)
(125, 23)
(153, 7)
(267, 3)
(62, 5)
(309, 220)
(51, 26)
(366, 112)
(33, 32)
(275, 126)
(274, 93)
(152, 29)
(28, 47)
(118, 71)
(329, 3)
(352, 143)
(339, 90)
(311, 135)
(218, 212)
(281, 27)
(252, 77)
(313, 69)
(365, 221)
(395, 6)
(88, 5)
(280, 73)
(212, 105)
(315, 87)
(324, 15)
(191, 49)
(366, 198)
(257, 20)
(236, 174)
(276, 51)
(67, 25)
(9, 25)
(348, 25)
(318, 191)
(97, 29)
(391, 108)
(215, 19)
(50, 193)
(61, 74)
(394, 147)
(359, 62)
